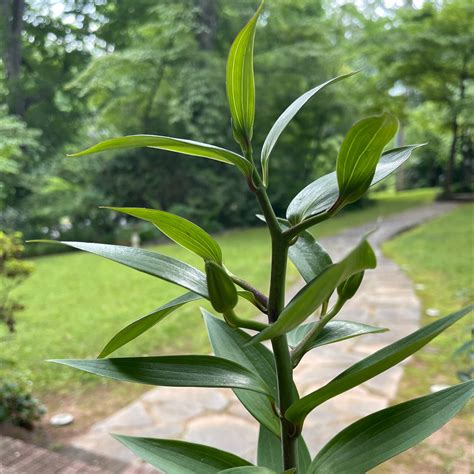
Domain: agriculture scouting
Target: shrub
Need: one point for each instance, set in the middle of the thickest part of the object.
(262, 378)
(13, 272)
(18, 406)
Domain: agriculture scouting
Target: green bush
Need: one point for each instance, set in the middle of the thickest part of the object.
(13, 271)
(18, 406)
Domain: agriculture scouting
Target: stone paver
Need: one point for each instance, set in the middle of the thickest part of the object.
(215, 417)
(18, 457)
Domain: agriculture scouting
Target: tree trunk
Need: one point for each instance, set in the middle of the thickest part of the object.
(448, 179)
(12, 13)
(448, 182)
(467, 154)
(207, 24)
(400, 177)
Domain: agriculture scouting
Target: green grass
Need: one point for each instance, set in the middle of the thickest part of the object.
(75, 302)
(440, 256)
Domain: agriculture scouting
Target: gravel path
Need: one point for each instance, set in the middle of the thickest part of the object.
(216, 418)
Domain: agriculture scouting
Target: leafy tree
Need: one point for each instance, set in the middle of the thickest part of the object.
(427, 57)
(40, 51)
(18, 145)
(80, 71)
(164, 73)
(15, 138)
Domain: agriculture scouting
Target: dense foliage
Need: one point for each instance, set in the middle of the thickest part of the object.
(18, 406)
(262, 378)
(82, 70)
(13, 271)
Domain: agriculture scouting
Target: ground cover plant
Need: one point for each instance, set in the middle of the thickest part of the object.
(262, 378)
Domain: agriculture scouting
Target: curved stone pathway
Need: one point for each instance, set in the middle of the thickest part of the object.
(216, 418)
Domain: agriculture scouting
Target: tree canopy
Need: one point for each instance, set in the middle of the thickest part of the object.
(79, 71)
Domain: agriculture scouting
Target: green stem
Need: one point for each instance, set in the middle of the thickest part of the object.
(286, 396)
(294, 231)
(298, 352)
(284, 369)
(234, 321)
(276, 303)
(259, 296)
(267, 209)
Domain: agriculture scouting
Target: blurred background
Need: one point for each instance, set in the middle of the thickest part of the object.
(75, 72)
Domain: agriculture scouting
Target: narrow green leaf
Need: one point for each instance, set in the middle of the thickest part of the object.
(309, 257)
(316, 292)
(386, 433)
(322, 194)
(161, 266)
(285, 118)
(172, 371)
(182, 231)
(138, 327)
(232, 344)
(359, 154)
(249, 470)
(257, 470)
(269, 451)
(371, 366)
(334, 331)
(304, 457)
(177, 145)
(240, 82)
(181, 457)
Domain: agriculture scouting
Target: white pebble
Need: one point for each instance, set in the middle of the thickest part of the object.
(61, 419)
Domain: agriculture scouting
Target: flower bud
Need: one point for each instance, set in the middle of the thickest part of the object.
(222, 291)
(348, 289)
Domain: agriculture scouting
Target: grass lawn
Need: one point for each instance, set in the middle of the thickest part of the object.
(439, 257)
(75, 302)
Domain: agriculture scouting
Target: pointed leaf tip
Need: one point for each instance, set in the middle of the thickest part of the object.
(359, 155)
(318, 290)
(175, 456)
(372, 366)
(176, 145)
(182, 231)
(240, 82)
(320, 195)
(173, 371)
(285, 118)
(138, 327)
(152, 263)
(386, 433)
